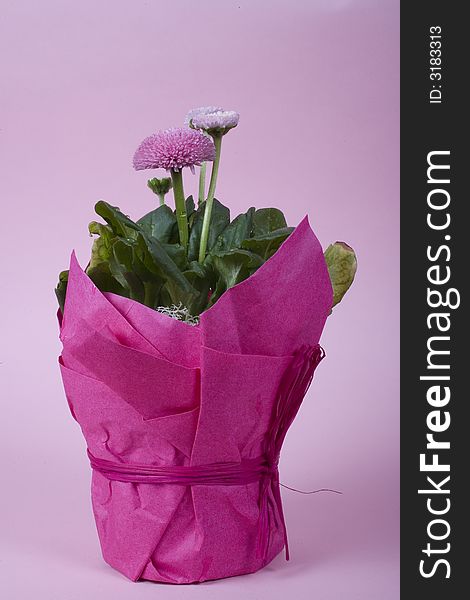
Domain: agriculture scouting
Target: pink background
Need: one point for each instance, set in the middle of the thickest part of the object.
(316, 83)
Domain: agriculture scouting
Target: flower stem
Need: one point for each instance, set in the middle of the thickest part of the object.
(210, 199)
(162, 199)
(180, 205)
(202, 183)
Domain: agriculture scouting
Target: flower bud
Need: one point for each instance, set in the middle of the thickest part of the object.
(160, 186)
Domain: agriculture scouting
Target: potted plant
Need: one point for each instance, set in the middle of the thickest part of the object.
(189, 342)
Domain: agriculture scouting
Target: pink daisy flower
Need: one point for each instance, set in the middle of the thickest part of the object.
(213, 119)
(203, 110)
(174, 149)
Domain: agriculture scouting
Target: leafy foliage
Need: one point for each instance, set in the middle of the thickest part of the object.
(144, 260)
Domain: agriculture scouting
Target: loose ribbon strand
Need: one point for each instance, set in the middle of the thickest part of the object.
(309, 492)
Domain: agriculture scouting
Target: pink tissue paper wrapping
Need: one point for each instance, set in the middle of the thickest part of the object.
(151, 391)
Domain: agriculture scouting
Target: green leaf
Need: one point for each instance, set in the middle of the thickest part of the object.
(136, 287)
(144, 286)
(112, 256)
(155, 258)
(152, 290)
(232, 267)
(119, 222)
(196, 269)
(101, 249)
(105, 281)
(190, 207)
(202, 279)
(158, 223)
(220, 219)
(266, 220)
(177, 254)
(61, 289)
(237, 231)
(121, 265)
(266, 245)
(342, 265)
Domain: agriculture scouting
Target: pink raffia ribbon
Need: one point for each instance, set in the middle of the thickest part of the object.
(240, 473)
(294, 385)
(291, 392)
